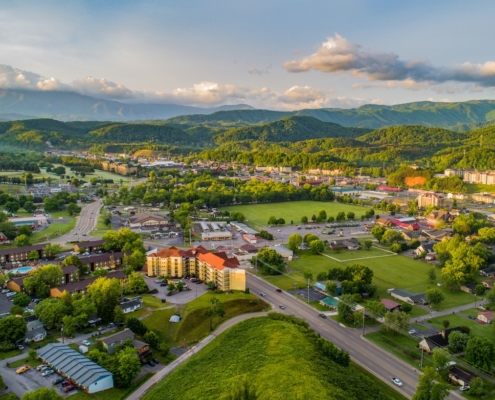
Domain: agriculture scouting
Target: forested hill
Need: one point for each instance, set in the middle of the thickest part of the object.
(290, 129)
(445, 115)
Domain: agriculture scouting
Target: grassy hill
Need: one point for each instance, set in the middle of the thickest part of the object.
(289, 129)
(276, 358)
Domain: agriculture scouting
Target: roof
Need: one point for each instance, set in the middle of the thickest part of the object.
(412, 296)
(249, 248)
(440, 339)
(130, 303)
(142, 217)
(82, 284)
(25, 249)
(91, 243)
(138, 344)
(460, 374)
(389, 304)
(35, 332)
(69, 269)
(103, 257)
(174, 318)
(118, 337)
(73, 364)
(487, 314)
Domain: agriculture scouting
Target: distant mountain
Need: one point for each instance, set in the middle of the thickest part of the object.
(445, 115)
(290, 129)
(69, 106)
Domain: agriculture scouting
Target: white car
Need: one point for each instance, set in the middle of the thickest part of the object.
(412, 332)
(397, 381)
(47, 372)
(262, 294)
(86, 342)
(464, 388)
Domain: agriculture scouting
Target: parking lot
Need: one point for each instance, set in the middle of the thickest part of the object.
(196, 290)
(313, 294)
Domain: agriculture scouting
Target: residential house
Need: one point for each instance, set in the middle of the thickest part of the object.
(418, 235)
(207, 266)
(16, 284)
(322, 286)
(32, 323)
(344, 244)
(441, 340)
(469, 288)
(131, 304)
(488, 272)
(486, 317)
(285, 252)
(391, 305)
(91, 246)
(143, 220)
(408, 297)
(488, 284)
(436, 216)
(110, 342)
(424, 247)
(21, 253)
(438, 234)
(36, 335)
(143, 349)
(3, 238)
(81, 286)
(459, 376)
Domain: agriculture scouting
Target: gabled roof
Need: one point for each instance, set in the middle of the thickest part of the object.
(25, 249)
(118, 337)
(69, 269)
(143, 217)
(487, 314)
(389, 304)
(82, 284)
(35, 332)
(91, 243)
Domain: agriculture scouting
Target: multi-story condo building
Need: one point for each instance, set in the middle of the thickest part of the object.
(472, 175)
(430, 199)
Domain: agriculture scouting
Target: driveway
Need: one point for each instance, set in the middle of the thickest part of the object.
(180, 298)
(5, 304)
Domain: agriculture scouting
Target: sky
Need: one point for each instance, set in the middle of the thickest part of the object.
(273, 54)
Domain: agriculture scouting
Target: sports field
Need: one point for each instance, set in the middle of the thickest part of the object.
(258, 214)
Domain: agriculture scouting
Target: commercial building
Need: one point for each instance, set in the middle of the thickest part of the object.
(119, 168)
(145, 220)
(83, 372)
(215, 267)
(207, 236)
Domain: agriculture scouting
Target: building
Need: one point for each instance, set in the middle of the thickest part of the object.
(459, 376)
(418, 235)
(488, 272)
(385, 188)
(322, 286)
(70, 274)
(36, 335)
(313, 183)
(110, 342)
(424, 247)
(3, 238)
(469, 288)
(215, 236)
(430, 199)
(16, 284)
(104, 260)
(484, 177)
(119, 168)
(81, 371)
(32, 222)
(407, 297)
(249, 238)
(215, 267)
(347, 191)
(391, 305)
(384, 222)
(21, 253)
(344, 244)
(454, 172)
(142, 220)
(441, 340)
(486, 317)
(285, 252)
(438, 215)
(483, 198)
(131, 305)
(81, 286)
(91, 246)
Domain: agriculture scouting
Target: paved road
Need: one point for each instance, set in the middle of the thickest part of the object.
(141, 391)
(18, 384)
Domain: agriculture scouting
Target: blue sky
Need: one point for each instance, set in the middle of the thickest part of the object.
(269, 54)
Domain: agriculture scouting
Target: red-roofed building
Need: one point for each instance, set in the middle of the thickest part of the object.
(406, 225)
(391, 305)
(207, 266)
(486, 317)
(385, 188)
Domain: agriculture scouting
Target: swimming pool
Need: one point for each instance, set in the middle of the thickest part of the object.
(21, 270)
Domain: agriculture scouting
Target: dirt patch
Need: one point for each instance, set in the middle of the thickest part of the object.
(415, 180)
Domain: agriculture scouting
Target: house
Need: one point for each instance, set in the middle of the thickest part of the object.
(391, 305)
(35, 335)
(409, 235)
(3, 238)
(441, 339)
(344, 244)
(469, 288)
(384, 222)
(16, 284)
(91, 246)
(110, 342)
(216, 267)
(424, 247)
(145, 220)
(81, 286)
(131, 305)
(21, 253)
(33, 323)
(459, 376)
(488, 284)
(143, 349)
(438, 215)
(486, 317)
(410, 226)
(488, 272)
(83, 372)
(438, 234)
(70, 274)
(407, 297)
(285, 252)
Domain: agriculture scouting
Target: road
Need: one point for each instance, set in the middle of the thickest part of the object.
(377, 361)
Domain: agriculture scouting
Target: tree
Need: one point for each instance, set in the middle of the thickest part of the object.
(480, 352)
(441, 360)
(304, 220)
(135, 261)
(119, 316)
(378, 231)
(216, 308)
(22, 300)
(434, 296)
(152, 339)
(396, 248)
(51, 250)
(74, 260)
(51, 311)
(272, 220)
(432, 276)
(392, 236)
(11, 206)
(129, 366)
(309, 237)
(427, 389)
(480, 290)
(32, 354)
(294, 241)
(33, 255)
(396, 322)
(490, 296)
(458, 341)
(322, 276)
(317, 246)
(340, 216)
(171, 287)
(73, 209)
(70, 325)
(477, 387)
(367, 244)
(12, 329)
(16, 310)
(351, 216)
(29, 207)
(42, 393)
(487, 235)
(105, 293)
(446, 323)
(179, 286)
(346, 308)
(25, 230)
(375, 307)
(269, 262)
(308, 276)
(82, 309)
(136, 326)
(22, 240)
(331, 288)
(99, 272)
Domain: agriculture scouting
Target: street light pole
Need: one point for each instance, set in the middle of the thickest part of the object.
(308, 290)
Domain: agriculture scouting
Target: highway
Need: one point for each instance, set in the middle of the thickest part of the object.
(377, 361)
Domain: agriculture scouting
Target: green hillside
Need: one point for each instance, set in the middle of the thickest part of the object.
(275, 358)
(289, 129)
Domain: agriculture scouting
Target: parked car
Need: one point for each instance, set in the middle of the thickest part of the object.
(47, 372)
(20, 347)
(111, 325)
(40, 367)
(86, 342)
(163, 284)
(155, 360)
(412, 332)
(57, 381)
(151, 363)
(69, 388)
(164, 300)
(397, 381)
(23, 369)
(66, 383)
(464, 388)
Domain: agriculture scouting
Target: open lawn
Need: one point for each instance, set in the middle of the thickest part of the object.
(478, 330)
(358, 254)
(9, 353)
(24, 361)
(194, 325)
(258, 214)
(273, 357)
(478, 188)
(53, 231)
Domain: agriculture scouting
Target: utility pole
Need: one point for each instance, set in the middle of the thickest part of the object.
(421, 365)
(308, 290)
(364, 312)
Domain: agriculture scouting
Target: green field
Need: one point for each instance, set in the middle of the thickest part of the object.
(478, 330)
(258, 214)
(276, 359)
(389, 272)
(114, 393)
(194, 325)
(478, 188)
(357, 254)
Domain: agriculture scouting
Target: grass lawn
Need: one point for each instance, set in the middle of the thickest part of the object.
(356, 254)
(258, 214)
(276, 359)
(478, 330)
(24, 361)
(194, 325)
(477, 188)
(400, 346)
(8, 396)
(10, 353)
(113, 394)
(53, 230)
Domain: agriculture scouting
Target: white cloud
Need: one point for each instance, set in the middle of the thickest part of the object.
(338, 55)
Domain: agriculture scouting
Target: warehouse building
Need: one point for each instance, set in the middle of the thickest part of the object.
(85, 373)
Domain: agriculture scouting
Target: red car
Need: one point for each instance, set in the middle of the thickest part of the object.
(69, 388)
(279, 290)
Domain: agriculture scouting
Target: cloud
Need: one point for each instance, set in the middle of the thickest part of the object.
(338, 55)
(260, 72)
